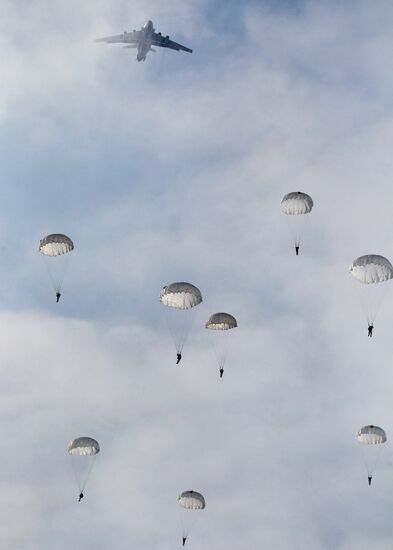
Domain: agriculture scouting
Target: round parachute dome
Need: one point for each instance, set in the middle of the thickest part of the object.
(191, 500)
(371, 268)
(296, 203)
(83, 446)
(371, 435)
(55, 244)
(180, 296)
(221, 321)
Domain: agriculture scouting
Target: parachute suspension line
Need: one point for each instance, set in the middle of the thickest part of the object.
(179, 328)
(74, 469)
(371, 298)
(178, 338)
(50, 274)
(65, 269)
(369, 469)
(57, 283)
(82, 482)
(88, 473)
(183, 529)
(220, 349)
(188, 325)
(186, 529)
(297, 226)
(371, 464)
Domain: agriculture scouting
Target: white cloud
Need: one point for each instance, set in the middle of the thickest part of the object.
(174, 169)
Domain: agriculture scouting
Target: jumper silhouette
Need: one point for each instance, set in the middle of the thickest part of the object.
(370, 330)
(297, 249)
(80, 497)
(184, 540)
(221, 372)
(57, 296)
(369, 479)
(178, 358)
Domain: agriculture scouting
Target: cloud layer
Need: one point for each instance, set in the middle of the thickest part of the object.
(174, 170)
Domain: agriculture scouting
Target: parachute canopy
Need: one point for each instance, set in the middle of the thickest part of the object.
(371, 435)
(371, 268)
(55, 244)
(180, 296)
(83, 446)
(191, 500)
(221, 321)
(296, 203)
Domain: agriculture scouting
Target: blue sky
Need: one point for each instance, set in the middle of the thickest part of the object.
(174, 169)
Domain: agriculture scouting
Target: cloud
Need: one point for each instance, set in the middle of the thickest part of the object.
(174, 170)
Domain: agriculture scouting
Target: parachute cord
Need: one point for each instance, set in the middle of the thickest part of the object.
(178, 347)
(371, 298)
(183, 530)
(371, 465)
(190, 525)
(74, 469)
(45, 260)
(88, 473)
(57, 286)
(297, 226)
(82, 484)
(221, 349)
(180, 335)
(65, 268)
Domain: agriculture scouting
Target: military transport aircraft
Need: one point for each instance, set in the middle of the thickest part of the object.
(144, 40)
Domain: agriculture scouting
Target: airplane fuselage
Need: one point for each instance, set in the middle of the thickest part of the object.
(144, 43)
(143, 40)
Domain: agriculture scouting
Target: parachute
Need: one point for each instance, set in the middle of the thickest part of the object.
(56, 246)
(221, 324)
(83, 451)
(370, 437)
(190, 501)
(180, 296)
(295, 205)
(180, 300)
(370, 270)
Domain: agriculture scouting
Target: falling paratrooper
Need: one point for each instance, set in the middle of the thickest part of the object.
(371, 270)
(83, 451)
(179, 300)
(190, 502)
(296, 205)
(56, 245)
(221, 324)
(371, 436)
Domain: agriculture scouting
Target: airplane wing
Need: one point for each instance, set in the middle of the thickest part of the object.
(164, 42)
(125, 38)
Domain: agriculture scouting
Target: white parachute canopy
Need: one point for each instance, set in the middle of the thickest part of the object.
(221, 325)
(190, 502)
(55, 249)
(180, 296)
(295, 205)
(221, 321)
(372, 438)
(55, 244)
(83, 451)
(371, 435)
(179, 300)
(371, 270)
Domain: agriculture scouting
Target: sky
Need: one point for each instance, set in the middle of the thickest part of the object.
(173, 170)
